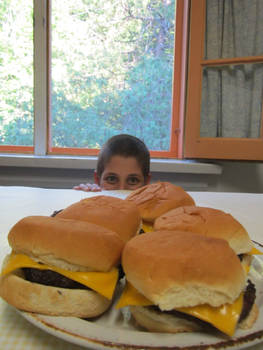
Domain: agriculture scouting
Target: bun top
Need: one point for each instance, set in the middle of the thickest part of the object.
(209, 222)
(114, 213)
(175, 269)
(156, 199)
(65, 243)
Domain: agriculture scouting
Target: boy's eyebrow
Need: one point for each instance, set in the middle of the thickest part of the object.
(115, 174)
(110, 173)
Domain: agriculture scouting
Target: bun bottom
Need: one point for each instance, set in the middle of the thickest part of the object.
(250, 319)
(48, 300)
(155, 321)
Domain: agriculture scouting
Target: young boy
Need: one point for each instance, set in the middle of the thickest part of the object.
(123, 164)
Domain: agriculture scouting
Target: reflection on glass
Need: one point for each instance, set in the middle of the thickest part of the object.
(16, 73)
(232, 100)
(112, 65)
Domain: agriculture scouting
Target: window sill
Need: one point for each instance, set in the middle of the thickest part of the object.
(74, 162)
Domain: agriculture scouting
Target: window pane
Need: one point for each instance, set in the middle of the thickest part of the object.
(232, 100)
(233, 29)
(16, 73)
(112, 67)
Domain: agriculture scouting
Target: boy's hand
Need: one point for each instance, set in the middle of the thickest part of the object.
(87, 187)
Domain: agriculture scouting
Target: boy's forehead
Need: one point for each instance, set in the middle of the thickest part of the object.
(121, 163)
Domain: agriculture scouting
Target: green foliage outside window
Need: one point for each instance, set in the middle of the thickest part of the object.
(16, 73)
(112, 66)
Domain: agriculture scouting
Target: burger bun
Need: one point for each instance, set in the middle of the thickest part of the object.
(157, 198)
(113, 213)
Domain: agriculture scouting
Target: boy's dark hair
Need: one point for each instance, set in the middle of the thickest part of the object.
(126, 146)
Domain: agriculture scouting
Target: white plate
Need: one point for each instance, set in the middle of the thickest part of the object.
(116, 329)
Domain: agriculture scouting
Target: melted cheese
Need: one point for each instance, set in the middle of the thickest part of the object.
(147, 226)
(224, 318)
(246, 267)
(131, 296)
(102, 282)
(255, 251)
(245, 264)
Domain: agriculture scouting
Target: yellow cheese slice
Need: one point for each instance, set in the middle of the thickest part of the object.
(102, 282)
(131, 296)
(246, 267)
(255, 251)
(224, 318)
(147, 227)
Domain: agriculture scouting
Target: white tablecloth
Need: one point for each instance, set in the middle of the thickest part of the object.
(16, 202)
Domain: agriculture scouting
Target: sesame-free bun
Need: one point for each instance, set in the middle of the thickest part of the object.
(114, 213)
(157, 321)
(209, 222)
(48, 300)
(175, 270)
(70, 244)
(157, 198)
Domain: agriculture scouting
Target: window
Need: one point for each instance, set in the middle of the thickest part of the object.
(112, 67)
(224, 117)
(100, 68)
(16, 74)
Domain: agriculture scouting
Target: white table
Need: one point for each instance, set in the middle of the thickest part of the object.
(16, 333)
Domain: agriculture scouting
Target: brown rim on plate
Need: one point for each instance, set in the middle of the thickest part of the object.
(115, 330)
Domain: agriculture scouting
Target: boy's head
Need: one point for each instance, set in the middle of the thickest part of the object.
(124, 147)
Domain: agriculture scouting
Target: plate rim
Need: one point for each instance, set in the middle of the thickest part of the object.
(49, 324)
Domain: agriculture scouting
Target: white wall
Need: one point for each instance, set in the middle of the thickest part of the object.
(236, 177)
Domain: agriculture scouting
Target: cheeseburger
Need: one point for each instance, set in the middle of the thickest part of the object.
(60, 267)
(114, 213)
(156, 199)
(186, 282)
(212, 223)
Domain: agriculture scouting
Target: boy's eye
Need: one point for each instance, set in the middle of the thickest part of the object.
(133, 180)
(112, 179)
